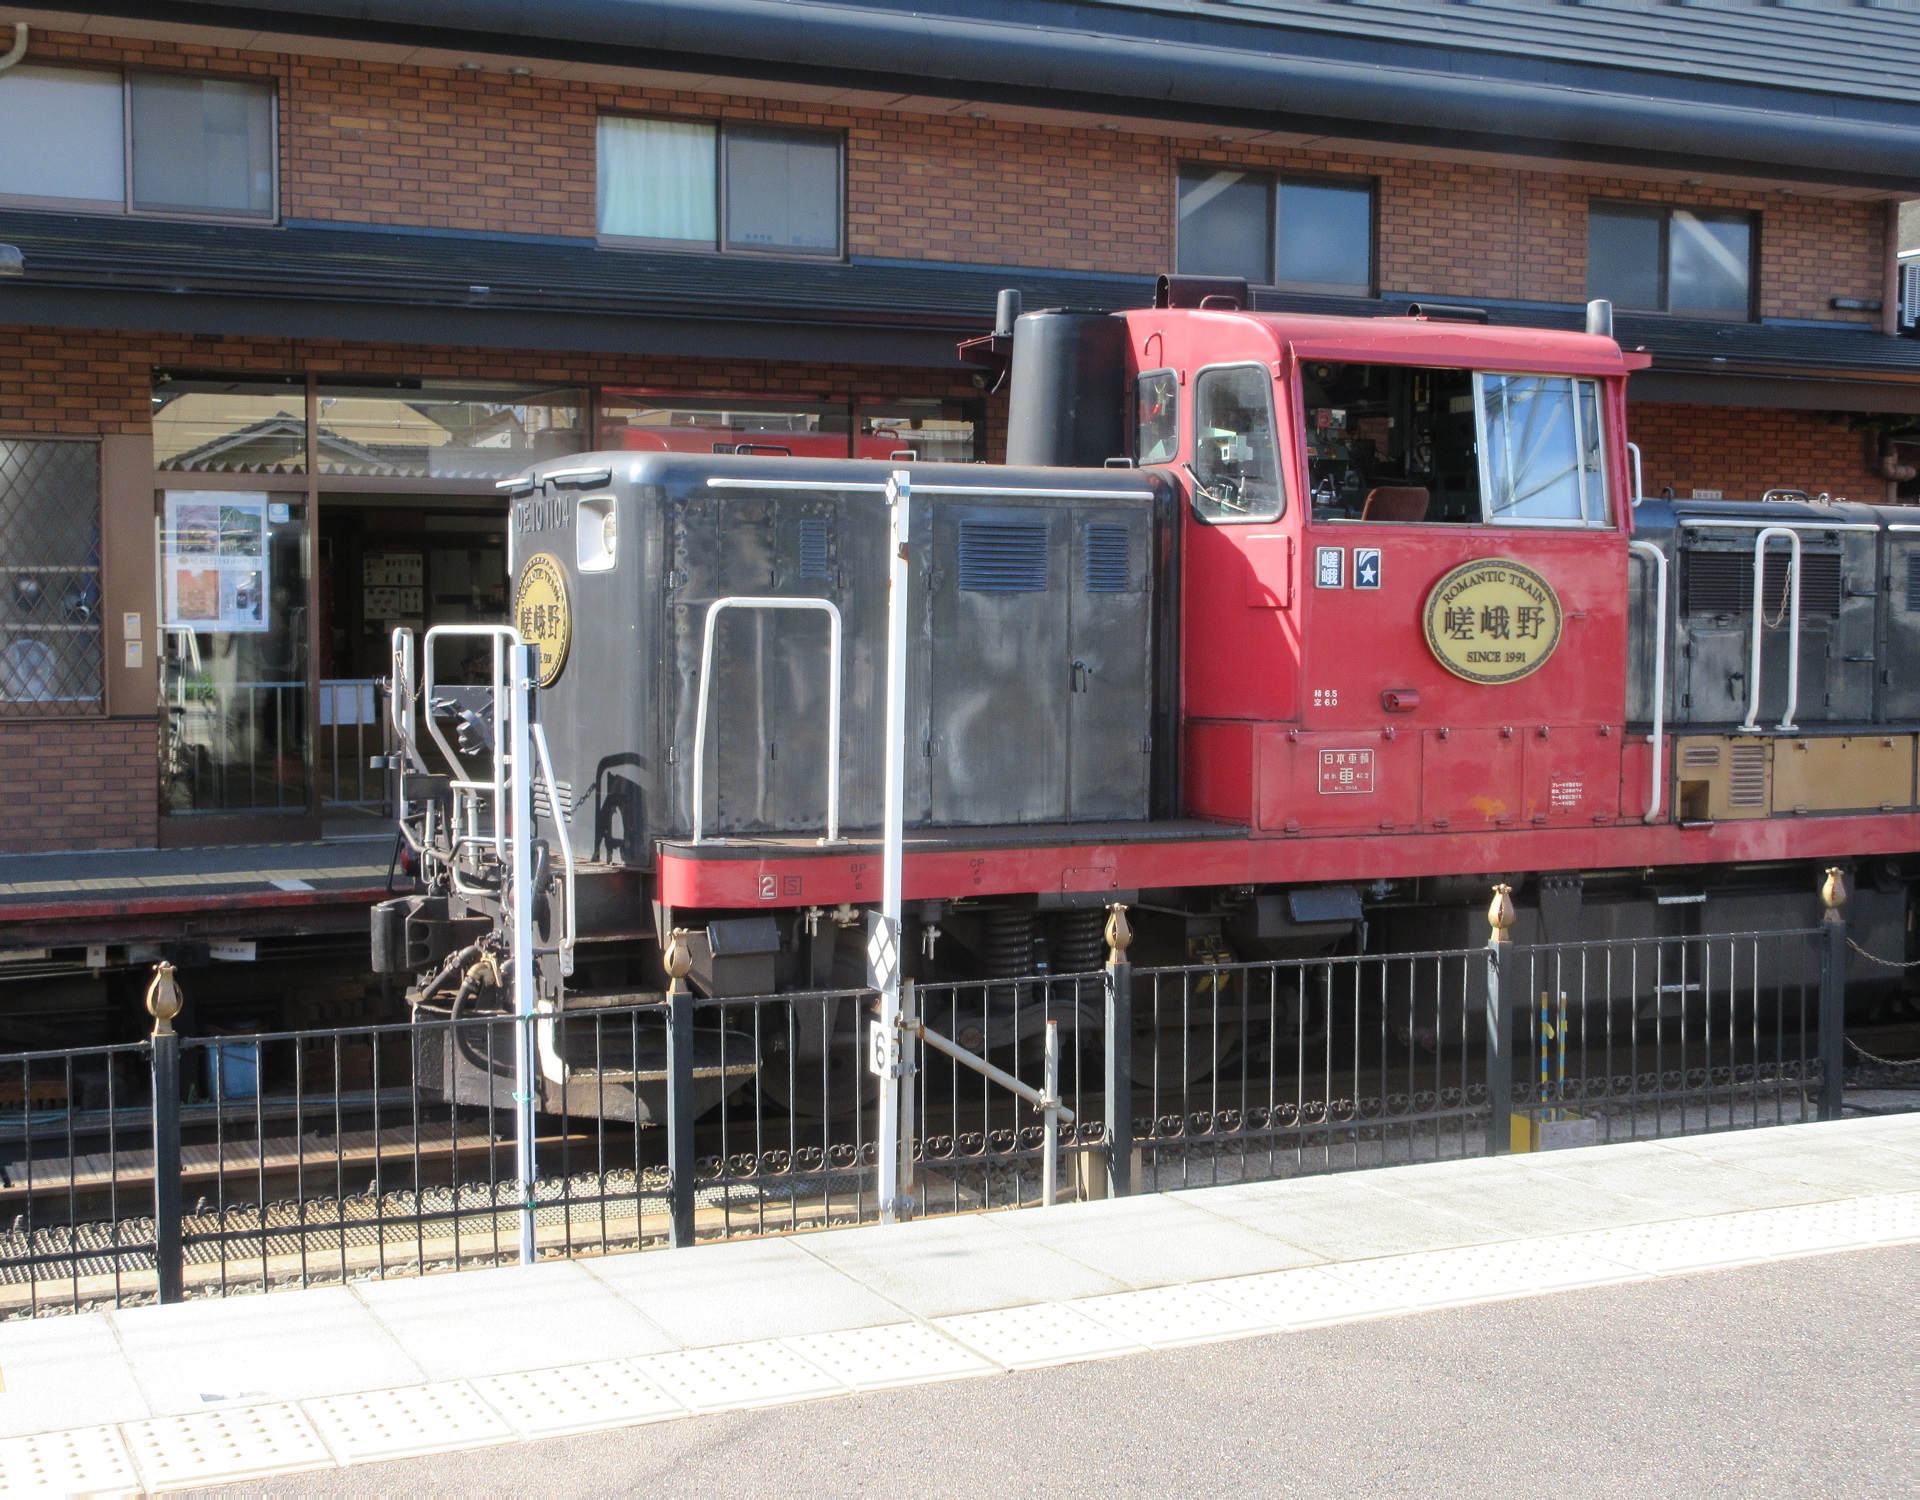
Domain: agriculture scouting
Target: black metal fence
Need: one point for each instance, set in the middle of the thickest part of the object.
(211, 1164)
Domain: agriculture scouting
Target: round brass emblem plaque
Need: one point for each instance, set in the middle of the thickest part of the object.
(1492, 621)
(541, 613)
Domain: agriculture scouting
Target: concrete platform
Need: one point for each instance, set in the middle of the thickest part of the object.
(159, 1398)
(113, 895)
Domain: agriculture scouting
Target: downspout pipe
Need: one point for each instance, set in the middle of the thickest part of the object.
(18, 50)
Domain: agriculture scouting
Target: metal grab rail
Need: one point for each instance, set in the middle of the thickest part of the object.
(1751, 724)
(750, 601)
(1046, 1098)
(1658, 737)
(558, 809)
(498, 636)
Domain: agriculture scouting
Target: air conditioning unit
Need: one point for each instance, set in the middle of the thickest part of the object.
(1910, 291)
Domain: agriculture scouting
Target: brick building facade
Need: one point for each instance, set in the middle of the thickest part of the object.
(466, 150)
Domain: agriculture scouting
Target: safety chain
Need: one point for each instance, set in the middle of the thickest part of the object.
(1884, 1062)
(1891, 963)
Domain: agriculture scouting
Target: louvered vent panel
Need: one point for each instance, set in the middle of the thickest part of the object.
(1699, 757)
(1747, 776)
(1721, 583)
(1913, 581)
(813, 548)
(1003, 557)
(1109, 559)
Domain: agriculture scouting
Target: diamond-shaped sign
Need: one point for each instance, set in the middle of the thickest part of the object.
(883, 951)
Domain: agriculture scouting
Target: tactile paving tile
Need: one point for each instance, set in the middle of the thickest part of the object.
(1167, 1317)
(1735, 1239)
(216, 1447)
(1481, 1273)
(1306, 1298)
(410, 1420)
(899, 1354)
(1046, 1333)
(578, 1398)
(1892, 1218)
(83, 1461)
(731, 1376)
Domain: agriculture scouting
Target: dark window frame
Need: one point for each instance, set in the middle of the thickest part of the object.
(68, 708)
(1663, 212)
(1352, 182)
(1179, 415)
(1193, 465)
(126, 207)
(722, 128)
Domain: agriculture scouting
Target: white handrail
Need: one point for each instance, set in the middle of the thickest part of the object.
(498, 635)
(1639, 486)
(1751, 724)
(1657, 738)
(748, 601)
(558, 809)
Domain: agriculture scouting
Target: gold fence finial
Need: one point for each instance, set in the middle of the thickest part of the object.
(1500, 914)
(163, 998)
(1833, 890)
(1119, 933)
(678, 961)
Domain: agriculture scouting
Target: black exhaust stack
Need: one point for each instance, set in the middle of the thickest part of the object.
(1068, 405)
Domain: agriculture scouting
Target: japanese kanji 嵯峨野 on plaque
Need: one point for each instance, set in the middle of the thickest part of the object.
(1492, 620)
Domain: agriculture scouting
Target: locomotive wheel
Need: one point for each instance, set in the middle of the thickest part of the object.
(816, 1084)
(1183, 1057)
(814, 1064)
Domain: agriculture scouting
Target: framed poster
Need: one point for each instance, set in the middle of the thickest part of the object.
(214, 561)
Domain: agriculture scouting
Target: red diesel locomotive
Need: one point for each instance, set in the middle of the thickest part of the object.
(1293, 633)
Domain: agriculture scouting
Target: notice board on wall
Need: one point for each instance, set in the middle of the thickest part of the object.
(214, 561)
(392, 586)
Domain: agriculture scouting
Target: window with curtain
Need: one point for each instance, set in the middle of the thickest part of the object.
(727, 187)
(73, 117)
(201, 147)
(657, 180)
(1652, 258)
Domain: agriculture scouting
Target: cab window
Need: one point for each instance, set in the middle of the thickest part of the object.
(1236, 461)
(1542, 450)
(1390, 443)
(1156, 418)
(1401, 443)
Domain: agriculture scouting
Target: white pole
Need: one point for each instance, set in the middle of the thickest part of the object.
(517, 744)
(899, 504)
(1050, 1154)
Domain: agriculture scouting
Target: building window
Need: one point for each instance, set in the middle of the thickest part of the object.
(50, 659)
(145, 143)
(1303, 234)
(201, 146)
(733, 187)
(1650, 258)
(445, 429)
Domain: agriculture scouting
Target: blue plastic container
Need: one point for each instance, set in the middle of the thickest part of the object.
(239, 1065)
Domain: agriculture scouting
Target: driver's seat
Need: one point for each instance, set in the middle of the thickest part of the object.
(1396, 502)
